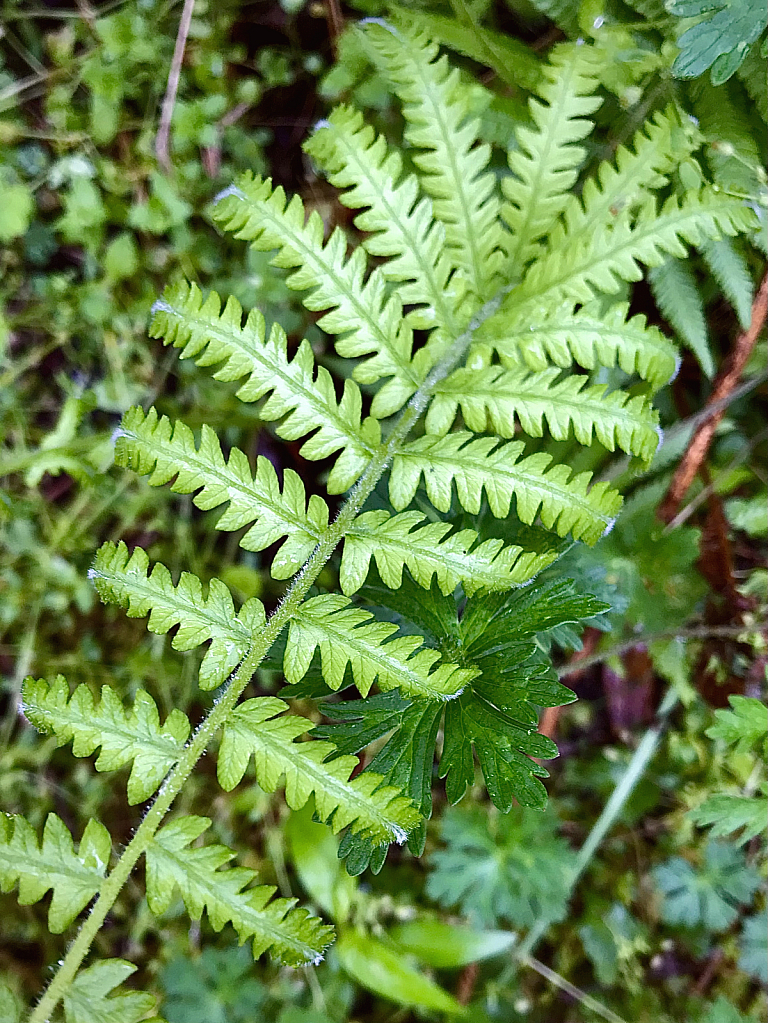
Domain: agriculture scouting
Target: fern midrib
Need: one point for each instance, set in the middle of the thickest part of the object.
(596, 329)
(265, 357)
(443, 311)
(185, 868)
(42, 868)
(231, 482)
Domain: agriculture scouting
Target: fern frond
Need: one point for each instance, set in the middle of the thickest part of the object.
(75, 877)
(490, 399)
(546, 164)
(366, 318)
(93, 999)
(676, 292)
(484, 463)
(453, 166)
(400, 541)
(124, 735)
(398, 221)
(304, 403)
(160, 449)
(349, 635)
(267, 923)
(583, 266)
(729, 268)
(121, 578)
(591, 338)
(252, 730)
(661, 144)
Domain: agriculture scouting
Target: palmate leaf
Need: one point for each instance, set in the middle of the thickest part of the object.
(453, 167)
(398, 222)
(496, 716)
(400, 541)
(346, 634)
(363, 313)
(123, 735)
(75, 877)
(291, 934)
(545, 165)
(121, 578)
(378, 812)
(592, 339)
(92, 997)
(720, 39)
(301, 401)
(492, 399)
(484, 464)
(163, 450)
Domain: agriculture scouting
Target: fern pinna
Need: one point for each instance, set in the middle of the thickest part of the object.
(511, 290)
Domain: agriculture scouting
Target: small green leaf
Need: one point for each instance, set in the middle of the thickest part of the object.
(16, 208)
(90, 998)
(121, 260)
(745, 726)
(448, 946)
(754, 947)
(386, 972)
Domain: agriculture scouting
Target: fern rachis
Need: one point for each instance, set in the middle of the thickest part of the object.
(447, 666)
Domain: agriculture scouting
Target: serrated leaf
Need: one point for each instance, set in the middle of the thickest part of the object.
(52, 863)
(123, 735)
(400, 541)
(565, 501)
(292, 934)
(153, 446)
(349, 635)
(121, 578)
(90, 998)
(726, 814)
(744, 727)
(722, 36)
(304, 403)
(252, 730)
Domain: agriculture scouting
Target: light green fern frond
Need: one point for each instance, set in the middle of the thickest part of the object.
(366, 318)
(398, 221)
(349, 635)
(593, 339)
(400, 541)
(490, 400)
(121, 578)
(453, 166)
(292, 934)
(661, 144)
(154, 446)
(676, 292)
(729, 268)
(301, 401)
(546, 164)
(75, 877)
(583, 266)
(484, 464)
(252, 730)
(124, 735)
(93, 999)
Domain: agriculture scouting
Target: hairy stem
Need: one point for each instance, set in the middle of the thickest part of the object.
(221, 710)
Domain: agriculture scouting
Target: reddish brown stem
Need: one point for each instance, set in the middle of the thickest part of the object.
(725, 382)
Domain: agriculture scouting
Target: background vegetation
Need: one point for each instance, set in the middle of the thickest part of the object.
(664, 919)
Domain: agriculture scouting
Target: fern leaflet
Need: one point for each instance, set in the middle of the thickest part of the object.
(210, 336)
(397, 541)
(546, 164)
(452, 165)
(92, 997)
(75, 877)
(123, 735)
(730, 270)
(121, 578)
(350, 635)
(292, 934)
(490, 399)
(484, 464)
(678, 297)
(378, 812)
(154, 446)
